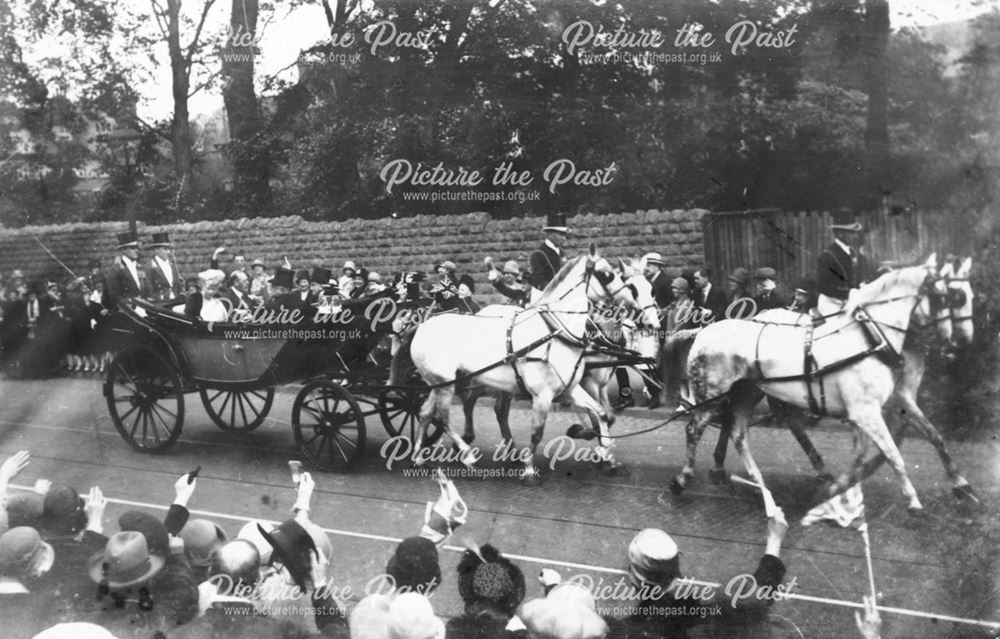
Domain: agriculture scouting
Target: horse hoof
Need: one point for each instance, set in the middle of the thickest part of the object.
(676, 487)
(530, 479)
(964, 492)
(470, 458)
(577, 431)
(615, 469)
(718, 477)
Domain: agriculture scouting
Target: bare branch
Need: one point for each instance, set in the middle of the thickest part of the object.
(149, 127)
(330, 20)
(158, 13)
(197, 33)
(204, 84)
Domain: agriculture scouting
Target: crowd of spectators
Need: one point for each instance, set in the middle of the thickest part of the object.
(63, 575)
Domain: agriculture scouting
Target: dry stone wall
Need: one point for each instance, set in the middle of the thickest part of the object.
(385, 246)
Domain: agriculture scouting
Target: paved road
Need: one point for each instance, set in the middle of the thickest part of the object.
(577, 516)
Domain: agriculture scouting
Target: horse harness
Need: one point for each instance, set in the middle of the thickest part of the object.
(878, 345)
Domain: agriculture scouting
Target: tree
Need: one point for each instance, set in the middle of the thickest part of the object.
(182, 59)
(251, 159)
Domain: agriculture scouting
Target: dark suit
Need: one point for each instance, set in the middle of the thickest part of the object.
(545, 263)
(234, 302)
(159, 288)
(777, 298)
(716, 302)
(661, 290)
(120, 285)
(837, 272)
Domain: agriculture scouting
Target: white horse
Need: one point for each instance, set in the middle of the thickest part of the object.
(541, 348)
(597, 374)
(946, 311)
(740, 359)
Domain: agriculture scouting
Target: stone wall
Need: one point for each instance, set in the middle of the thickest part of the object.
(381, 245)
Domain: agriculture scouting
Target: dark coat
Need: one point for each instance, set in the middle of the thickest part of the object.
(481, 627)
(837, 272)
(778, 298)
(716, 302)
(234, 302)
(545, 263)
(748, 612)
(159, 288)
(119, 284)
(515, 296)
(661, 290)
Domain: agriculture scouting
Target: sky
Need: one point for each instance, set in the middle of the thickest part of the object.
(290, 32)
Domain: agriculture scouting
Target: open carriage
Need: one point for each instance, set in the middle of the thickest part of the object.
(342, 366)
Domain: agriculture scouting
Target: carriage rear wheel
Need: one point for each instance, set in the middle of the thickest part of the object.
(399, 410)
(237, 411)
(145, 399)
(329, 426)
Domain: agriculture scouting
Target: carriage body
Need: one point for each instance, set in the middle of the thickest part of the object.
(341, 363)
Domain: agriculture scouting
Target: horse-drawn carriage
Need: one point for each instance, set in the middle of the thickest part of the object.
(342, 364)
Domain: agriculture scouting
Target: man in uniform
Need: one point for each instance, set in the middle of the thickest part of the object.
(547, 260)
(841, 266)
(165, 281)
(126, 279)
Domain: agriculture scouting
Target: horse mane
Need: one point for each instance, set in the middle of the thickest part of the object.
(561, 276)
(876, 289)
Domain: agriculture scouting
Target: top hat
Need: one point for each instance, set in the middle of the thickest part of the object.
(556, 223)
(653, 558)
(320, 275)
(845, 220)
(740, 276)
(292, 544)
(160, 239)
(125, 561)
(283, 277)
(128, 239)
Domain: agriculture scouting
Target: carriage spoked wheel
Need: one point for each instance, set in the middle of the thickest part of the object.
(329, 426)
(145, 399)
(237, 411)
(399, 409)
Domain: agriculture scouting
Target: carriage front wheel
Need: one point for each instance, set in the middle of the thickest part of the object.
(145, 399)
(237, 411)
(329, 426)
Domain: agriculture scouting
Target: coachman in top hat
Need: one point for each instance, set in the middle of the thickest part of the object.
(841, 266)
(127, 278)
(165, 281)
(547, 260)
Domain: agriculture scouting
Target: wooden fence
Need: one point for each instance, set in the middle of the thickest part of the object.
(791, 242)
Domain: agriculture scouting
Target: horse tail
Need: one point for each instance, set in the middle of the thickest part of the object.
(673, 358)
(401, 359)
